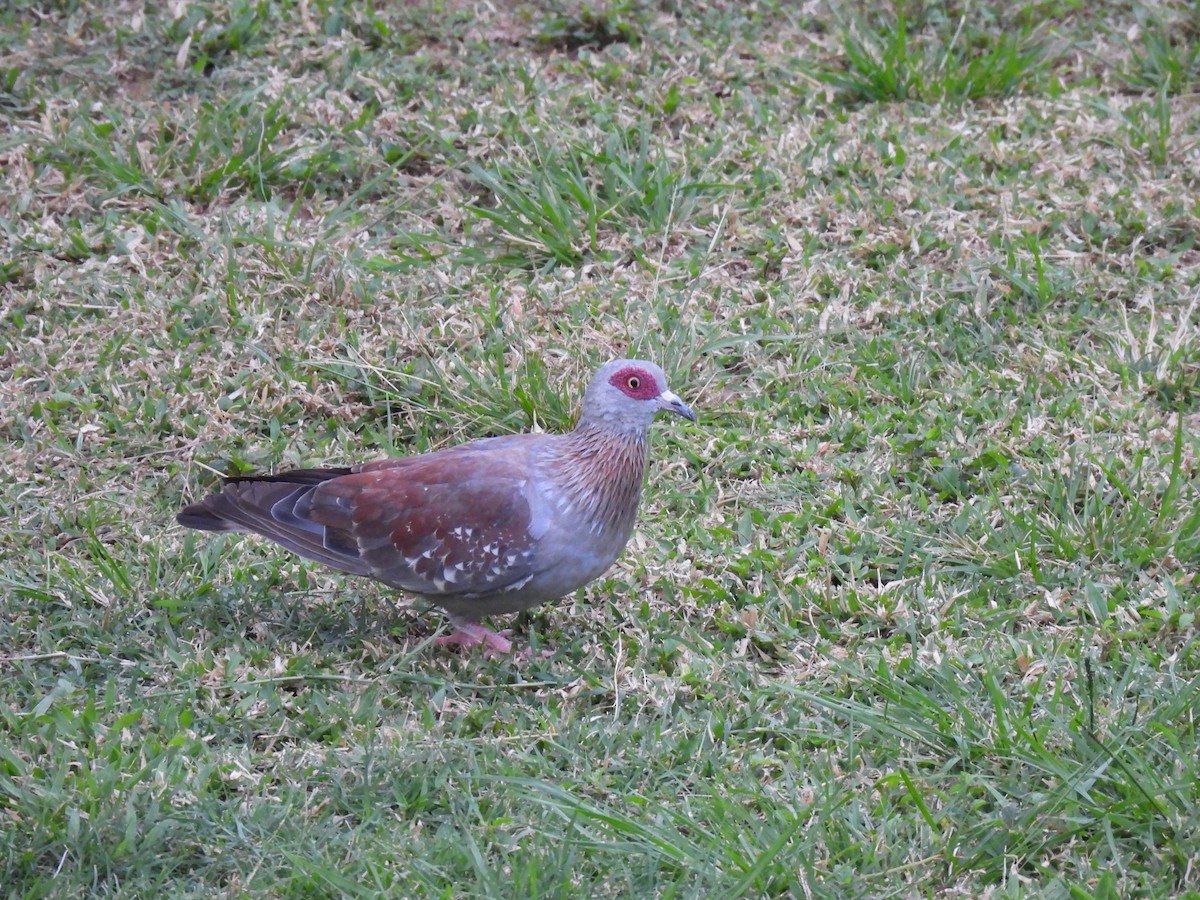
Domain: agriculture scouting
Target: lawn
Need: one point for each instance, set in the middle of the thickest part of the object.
(910, 612)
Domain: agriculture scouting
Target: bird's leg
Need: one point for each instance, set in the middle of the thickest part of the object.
(472, 634)
(495, 643)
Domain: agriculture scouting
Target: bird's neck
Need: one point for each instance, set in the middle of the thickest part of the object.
(602, 472)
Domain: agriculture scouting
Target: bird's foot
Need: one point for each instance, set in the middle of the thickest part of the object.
(472, 634)
(495, 643)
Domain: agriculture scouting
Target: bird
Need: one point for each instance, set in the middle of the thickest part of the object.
(490, 527)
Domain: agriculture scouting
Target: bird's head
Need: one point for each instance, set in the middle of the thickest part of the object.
(626, 394)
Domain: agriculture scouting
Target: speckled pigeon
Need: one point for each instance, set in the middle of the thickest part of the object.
(494, 526)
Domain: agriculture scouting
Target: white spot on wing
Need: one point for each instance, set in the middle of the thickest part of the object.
(517, 585)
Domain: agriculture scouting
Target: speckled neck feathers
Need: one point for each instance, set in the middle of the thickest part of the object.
(601, 473)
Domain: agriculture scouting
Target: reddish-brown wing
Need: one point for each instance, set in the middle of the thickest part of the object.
(443, 524)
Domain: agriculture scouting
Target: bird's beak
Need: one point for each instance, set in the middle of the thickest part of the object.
(670, 402)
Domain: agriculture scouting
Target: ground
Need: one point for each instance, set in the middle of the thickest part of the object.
(911, 611)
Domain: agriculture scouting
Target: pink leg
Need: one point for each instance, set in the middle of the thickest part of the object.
(472, 634)
(495, 643)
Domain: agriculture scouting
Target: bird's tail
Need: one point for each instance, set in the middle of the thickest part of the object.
(276, 507)
(242, 500)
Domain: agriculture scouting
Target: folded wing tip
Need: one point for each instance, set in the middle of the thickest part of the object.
(202, 518)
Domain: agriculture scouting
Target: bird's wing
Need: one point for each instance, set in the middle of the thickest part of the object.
(449, 523)
(443, 524)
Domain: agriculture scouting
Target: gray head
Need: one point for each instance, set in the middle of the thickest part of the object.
(626, 394)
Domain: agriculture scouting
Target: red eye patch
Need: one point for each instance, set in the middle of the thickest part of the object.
(636, 383)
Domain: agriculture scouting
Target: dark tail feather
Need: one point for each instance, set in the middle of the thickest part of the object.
(276, 507)
(293, 476)
(207, 515)
(200, 517)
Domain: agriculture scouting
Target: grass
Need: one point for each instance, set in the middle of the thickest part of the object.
(911, 612)
(954, 62)
(550, 207)
(1166, 54)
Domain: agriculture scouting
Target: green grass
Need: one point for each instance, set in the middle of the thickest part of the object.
(549, 207)
(911, 612)
(943, 62)
(1165, 52)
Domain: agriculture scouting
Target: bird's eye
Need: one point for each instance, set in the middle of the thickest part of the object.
(634, 383)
